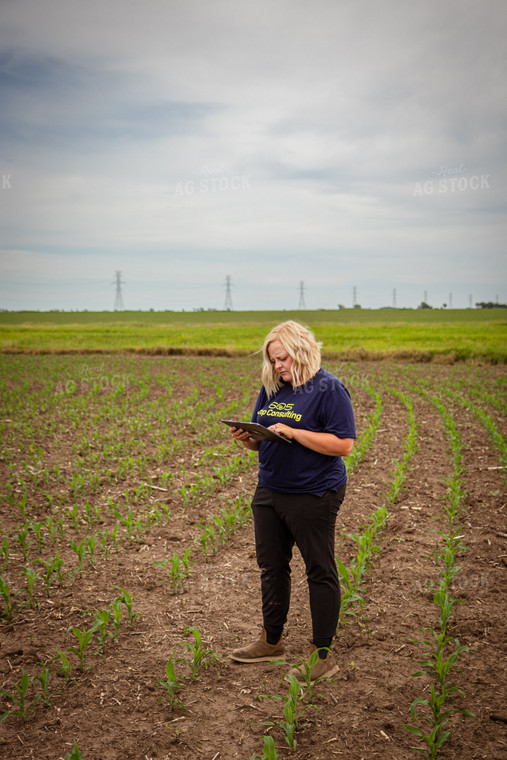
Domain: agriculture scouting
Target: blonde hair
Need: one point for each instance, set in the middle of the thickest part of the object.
(300, 344)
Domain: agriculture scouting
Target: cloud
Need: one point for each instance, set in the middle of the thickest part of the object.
(276, 142)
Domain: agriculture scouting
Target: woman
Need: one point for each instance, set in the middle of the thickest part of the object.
(301, 486)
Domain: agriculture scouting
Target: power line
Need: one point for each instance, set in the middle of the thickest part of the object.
(228, 294)
(301, 295)
(118, 301)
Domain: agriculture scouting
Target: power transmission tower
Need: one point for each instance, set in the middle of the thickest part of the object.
(301, 295)
(394, 298)
(118, 301)
(354, 297)
(450, 300)
(228, 294)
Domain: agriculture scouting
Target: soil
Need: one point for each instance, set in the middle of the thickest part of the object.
(112, 709)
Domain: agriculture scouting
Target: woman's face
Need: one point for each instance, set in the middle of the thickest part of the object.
(280, 360)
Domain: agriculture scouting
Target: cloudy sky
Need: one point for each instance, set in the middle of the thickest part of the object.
(342, 150)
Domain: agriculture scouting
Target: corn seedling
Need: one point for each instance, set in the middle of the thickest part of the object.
(84, 638)
(166, 479)
(126, 599)
(18, 699)
(351, 596)
(58, 568)
(292, 710)
(51, 529)
(50, 500)
(100, 625)
(91, 545)
(304, 668)
(268, 751)
(152, 516)
(4, 550)
(229, 519)
(31, 577)
(22, 538)
(37, 529)
(5, 591)
(74, 514)
(201, 658)
(51, 566)
(94, 482)
(114, 536)
(202, 542)
(436, 664)
(21, 505)
(178, 570)
(116, 612)
(65, 666)
(138, 525)
(170, 685)
(128, 522)
(437, 717)
(168, 515)
(80, 550)
(185, 497)
(45, 697)
(60, 527)
(104, 544)
(88, 514)
(74, 754)
(77, 483)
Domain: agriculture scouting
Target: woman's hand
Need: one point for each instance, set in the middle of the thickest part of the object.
(284, 430)
(239, 434)
(244, 437)
(322, 443)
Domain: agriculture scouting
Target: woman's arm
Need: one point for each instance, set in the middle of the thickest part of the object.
(322, 443)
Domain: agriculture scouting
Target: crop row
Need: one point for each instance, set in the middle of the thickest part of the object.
(351, 576)
(52, 517)
(442, 651)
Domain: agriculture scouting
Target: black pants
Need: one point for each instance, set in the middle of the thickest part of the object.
(282, 520)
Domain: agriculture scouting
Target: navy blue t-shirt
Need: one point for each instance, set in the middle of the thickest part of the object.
(322, 405)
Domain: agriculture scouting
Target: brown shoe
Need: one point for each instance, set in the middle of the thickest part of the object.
(322, 668)
(259, 650)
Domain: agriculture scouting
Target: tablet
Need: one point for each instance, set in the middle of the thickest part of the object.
(259, 432)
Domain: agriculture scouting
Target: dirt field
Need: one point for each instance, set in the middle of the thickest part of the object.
(79, 433)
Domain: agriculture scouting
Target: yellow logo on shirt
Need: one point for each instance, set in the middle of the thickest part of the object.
(280, 409)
